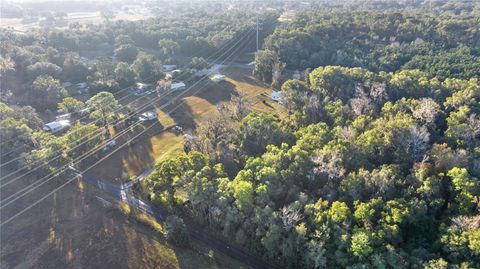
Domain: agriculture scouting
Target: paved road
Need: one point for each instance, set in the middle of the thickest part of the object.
(146, 207)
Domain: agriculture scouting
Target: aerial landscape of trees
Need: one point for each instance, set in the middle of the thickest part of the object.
(375, 163)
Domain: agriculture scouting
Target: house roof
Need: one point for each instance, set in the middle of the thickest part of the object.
(178, 85)
(57, 124)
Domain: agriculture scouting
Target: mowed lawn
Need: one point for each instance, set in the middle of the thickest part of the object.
(195, 106)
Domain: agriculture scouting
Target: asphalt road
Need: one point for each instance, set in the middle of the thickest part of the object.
(207, 239)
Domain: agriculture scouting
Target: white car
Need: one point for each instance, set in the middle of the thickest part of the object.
(149, 115)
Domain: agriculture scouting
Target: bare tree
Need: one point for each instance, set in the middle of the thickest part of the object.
(361, 104)
(277, 74)
(426, 110)
(474, 126)
(378, 93)
(290, 217)
(329, 164)
(238, 107)
(417, 142)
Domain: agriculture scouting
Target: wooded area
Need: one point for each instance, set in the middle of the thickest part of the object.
(375, 165)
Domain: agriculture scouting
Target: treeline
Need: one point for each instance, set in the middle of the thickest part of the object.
(444, 46)
(369, 170)
(115, 54)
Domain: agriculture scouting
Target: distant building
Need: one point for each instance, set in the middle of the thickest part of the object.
(178, 86)
(56, 126)
(218, 78)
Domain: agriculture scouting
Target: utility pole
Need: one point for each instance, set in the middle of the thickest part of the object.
(257, 33)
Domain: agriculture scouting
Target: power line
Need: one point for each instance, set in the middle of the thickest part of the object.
(65, 167)
(90, 167)
(128, 87)
(142, 107)
(119, 120)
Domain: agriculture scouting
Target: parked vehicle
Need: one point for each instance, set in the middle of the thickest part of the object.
(109, 145)
(149, 115)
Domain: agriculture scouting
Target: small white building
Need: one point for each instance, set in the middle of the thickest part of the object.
(276, 96)
(56, 126)
(218, 78)
(178, 86)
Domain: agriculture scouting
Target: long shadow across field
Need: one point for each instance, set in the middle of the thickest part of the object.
(214, 93)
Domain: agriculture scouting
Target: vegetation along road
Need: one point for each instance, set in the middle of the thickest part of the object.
(161, 216)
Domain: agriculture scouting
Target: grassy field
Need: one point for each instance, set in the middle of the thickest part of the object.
(75, 229)
(188, 111)
(92, 17)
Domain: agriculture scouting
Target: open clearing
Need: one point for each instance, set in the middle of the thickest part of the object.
(92, 17)
(187, 112)
(75, 229)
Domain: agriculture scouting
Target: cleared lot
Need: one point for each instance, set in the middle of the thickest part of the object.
(188, 112)
(81, 227)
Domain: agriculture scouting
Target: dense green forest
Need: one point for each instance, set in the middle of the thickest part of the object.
(443, 46)
(377, 163)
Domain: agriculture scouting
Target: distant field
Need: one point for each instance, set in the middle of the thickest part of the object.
(93, 17)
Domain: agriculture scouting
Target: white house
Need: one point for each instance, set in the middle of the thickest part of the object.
(56, 126)
(178, 86)
(276, 96)
(218, 78)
